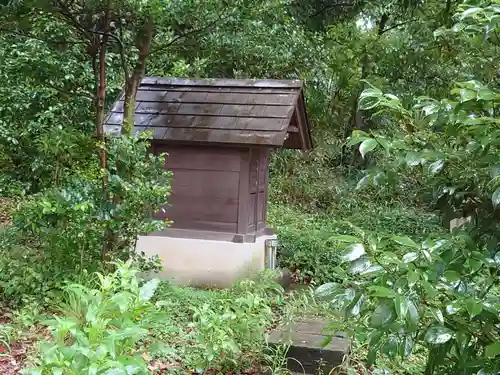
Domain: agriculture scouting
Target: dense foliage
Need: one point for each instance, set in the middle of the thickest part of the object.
(403, 99)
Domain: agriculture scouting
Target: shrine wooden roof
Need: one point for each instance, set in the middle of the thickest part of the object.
(226, 111)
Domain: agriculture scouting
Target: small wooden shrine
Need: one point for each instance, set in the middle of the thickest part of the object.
(218, 134)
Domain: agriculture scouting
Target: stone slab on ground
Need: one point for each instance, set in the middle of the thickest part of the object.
(307, 353)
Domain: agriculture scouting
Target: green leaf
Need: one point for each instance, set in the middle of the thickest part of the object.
(381, 316)
(413, 315)
(412, 277)
(405, 241)
(366, 146)
(357, 136)
(473, 307)
(436, 167)
(383, 142)
(451, 276)
(413, 159)
(410, 257)
(437, 314)
(438, 335)
(354, 308)
(345, 238)
(327, 290)
(493, 350)
(148, 290)
(466, 95)
(381, 291)
(408, 346)
(359, 265)
(353, 252)
(453, 308)
(470, 12)
(495, 198)
(115, 371)
(486, 94)
(400, 306)
(363, 182)
(372, 269)
(427, 256)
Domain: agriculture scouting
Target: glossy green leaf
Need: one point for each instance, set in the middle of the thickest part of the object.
(327, 290)
(427, 255)
(437, 314)
(381, 291)
(405, 241)
(400, 306)
(359, 265)
(467, 95)
(366, 146)
(413, 159)
(412, 277)
(381, 316)
(451, 276)
(438, 335)
(148, 290)
(357, 136)
(470, 12)
(354, 308)
(436, 167)
(345, 238)
(363, 182)
(413, 315)
(372, 270)
(353, 252)
(410, 257)
(453, 308)
(495, 198)
(493, 350)
(473, 307)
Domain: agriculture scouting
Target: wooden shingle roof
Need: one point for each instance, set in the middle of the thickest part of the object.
(228, 111)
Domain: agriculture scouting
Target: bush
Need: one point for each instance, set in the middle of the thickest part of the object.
(100, 328)
(307, 243)
(216, 329)
(69, 231)
(396, 294)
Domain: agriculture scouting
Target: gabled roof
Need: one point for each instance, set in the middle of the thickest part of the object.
(227, 111)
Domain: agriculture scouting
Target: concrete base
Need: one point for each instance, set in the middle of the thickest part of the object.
(205, 263)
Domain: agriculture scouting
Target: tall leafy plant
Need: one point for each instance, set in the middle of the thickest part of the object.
(100, 328)
(69, 224)
(440, 293)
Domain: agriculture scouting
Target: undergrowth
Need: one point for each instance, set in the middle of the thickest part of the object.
(305, 237)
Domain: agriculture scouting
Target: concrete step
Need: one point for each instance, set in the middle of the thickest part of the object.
(307, 353)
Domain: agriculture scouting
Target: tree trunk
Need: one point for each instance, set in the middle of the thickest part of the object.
(132, 82)
(100, 115)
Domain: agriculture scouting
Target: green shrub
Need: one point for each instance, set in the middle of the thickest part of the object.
(69, 231)
(100, 328)
(217, 329)
(306, 240)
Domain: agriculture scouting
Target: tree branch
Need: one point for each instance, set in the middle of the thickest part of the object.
(329, 7)
(47, 41)
(190, 32)
(123, 58)
(398, 25)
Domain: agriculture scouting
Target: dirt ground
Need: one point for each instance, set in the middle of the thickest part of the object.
(6, 207)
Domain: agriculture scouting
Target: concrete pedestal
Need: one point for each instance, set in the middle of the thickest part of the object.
(201, 262)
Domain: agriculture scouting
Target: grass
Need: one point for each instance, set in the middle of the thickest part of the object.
(181, 340)
(305, 237)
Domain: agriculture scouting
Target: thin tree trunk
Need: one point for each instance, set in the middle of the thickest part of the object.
(132, 83)
(100, 116)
